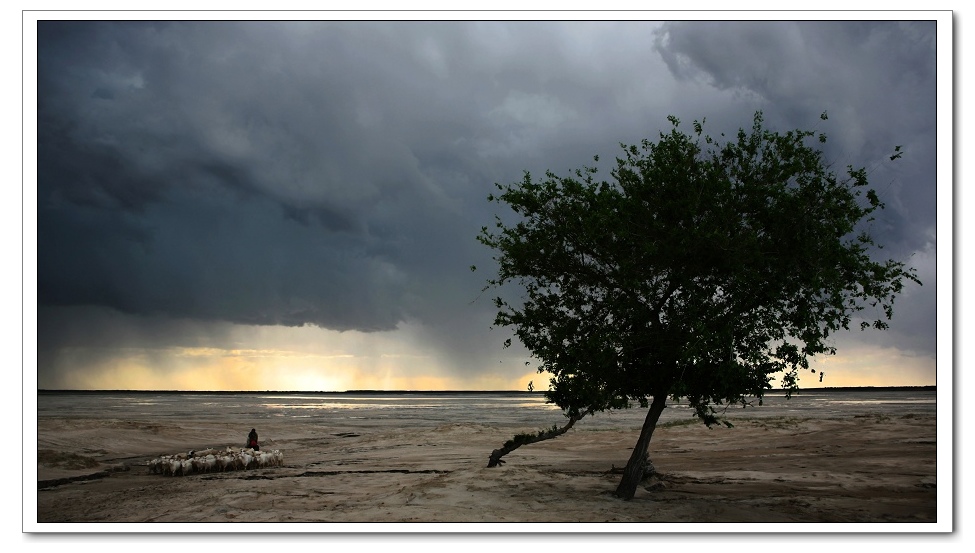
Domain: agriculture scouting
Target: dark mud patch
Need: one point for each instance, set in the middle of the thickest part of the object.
(64, 460)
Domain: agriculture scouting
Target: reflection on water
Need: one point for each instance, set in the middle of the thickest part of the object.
(875, 401)
(416, 408)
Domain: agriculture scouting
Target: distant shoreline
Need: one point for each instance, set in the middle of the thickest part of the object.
(445, 392)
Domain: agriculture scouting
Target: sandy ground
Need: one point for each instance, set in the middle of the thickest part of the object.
(867, 468)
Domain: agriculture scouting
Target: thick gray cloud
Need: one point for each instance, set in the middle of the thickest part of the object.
(876, 80)
(335, 173)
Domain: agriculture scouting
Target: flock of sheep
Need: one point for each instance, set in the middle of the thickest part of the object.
(212, 460)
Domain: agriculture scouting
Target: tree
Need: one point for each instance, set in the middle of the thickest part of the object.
(699, 272)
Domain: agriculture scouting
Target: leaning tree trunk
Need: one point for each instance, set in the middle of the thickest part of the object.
(524, 439)
(634, 471)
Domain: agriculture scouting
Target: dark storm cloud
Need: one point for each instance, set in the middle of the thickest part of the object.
(286, 173)
(335, 173)
(876, 80)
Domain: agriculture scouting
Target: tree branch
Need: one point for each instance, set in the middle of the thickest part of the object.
(524, 439)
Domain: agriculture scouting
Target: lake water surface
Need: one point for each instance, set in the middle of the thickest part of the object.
(437, 408)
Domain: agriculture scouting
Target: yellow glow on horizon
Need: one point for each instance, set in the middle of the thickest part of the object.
(305, 380)
(870, 366)
(198, 369)
(258, 369)
(315, 359)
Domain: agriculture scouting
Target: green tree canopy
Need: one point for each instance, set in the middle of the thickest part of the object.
(700, 271)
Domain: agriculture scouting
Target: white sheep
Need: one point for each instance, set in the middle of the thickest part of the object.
(198, 464)
(224, 461)
(209, 461)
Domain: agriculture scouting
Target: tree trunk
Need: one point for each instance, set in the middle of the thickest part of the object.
(525, 439)
(633, 473)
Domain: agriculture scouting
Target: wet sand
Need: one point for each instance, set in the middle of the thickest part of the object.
(863, 468)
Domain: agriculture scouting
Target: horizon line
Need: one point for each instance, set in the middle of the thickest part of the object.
(377, 391)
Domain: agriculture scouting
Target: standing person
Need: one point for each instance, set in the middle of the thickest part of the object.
(252, 440)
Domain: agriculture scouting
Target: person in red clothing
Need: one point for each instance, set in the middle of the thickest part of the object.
(252, 440)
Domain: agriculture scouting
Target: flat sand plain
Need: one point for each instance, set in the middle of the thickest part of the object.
(867, 467)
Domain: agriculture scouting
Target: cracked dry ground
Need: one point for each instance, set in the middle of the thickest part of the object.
(854, 469)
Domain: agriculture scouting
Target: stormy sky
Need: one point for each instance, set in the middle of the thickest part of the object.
(295, 205)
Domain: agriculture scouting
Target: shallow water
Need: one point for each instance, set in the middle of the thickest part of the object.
(438, 408)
